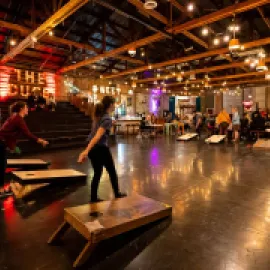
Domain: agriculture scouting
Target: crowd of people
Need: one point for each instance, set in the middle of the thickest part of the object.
(40, 103)
(230, 124)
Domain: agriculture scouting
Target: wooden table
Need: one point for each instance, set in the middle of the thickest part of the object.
(103, 220)
(47, 176)
(27, 164)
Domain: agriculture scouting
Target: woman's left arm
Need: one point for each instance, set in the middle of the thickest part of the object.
(100, 132)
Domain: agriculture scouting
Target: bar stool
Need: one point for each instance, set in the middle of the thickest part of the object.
(118, 128)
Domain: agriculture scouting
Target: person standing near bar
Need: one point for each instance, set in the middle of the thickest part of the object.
(97, 149)
(235, 124)
(10, 132)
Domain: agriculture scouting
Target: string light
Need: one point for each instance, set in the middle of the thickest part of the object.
(12, 42)
(205, 31)
(190, 7)
(226, 38)
(216, 41)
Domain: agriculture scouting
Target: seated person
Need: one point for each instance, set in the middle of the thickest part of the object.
(51, 103)
(169, 118)
(144, 127)
(41, 102)
(258, 122)
(31, 101)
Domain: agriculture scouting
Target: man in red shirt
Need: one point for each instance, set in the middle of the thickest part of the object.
(11, 130)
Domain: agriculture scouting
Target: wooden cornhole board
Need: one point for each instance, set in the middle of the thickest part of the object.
(215, 139)
(262, 144)
(28, 181)
(103, 220)
(27, 164)
(187, 137)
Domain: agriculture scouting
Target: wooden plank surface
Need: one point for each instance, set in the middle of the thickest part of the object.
(262, 144)
(187, 137)
(215, 139)
(27, 163)
(47, 176)
(109, 218)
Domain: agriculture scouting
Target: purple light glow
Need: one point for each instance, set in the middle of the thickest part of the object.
(154, 101)
(154, 158)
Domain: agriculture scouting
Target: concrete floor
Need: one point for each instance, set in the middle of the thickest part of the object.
(221, 211)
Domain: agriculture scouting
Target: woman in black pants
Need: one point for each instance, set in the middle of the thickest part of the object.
(11, 130)
(97, 149)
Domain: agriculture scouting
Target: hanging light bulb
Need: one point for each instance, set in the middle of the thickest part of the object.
(13, 42)
(205, 31)
(158, 75)
(253, 64)
(50, 33)
(234, 27)
(247, 61)
(226, 38)
(149, 66)
(130, 92)
(132, 52)
(262, 54)
(190, 7)
(216, 41)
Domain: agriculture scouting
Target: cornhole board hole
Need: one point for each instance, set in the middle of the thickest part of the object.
(103, 220)
(215, 139)
(262, 144)
(28, 164)
(187, 137)
(25, 182)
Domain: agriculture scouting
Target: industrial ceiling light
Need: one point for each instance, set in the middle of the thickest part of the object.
(261, 65)
(132, 52)
(234, 44)
(150, 4)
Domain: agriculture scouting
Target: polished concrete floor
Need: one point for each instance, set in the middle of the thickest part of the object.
(221, 211)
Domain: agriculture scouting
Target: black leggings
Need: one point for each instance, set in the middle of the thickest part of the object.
(3, 163)
(100, 157)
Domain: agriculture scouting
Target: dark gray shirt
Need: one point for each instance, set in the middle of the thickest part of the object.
(106, 123)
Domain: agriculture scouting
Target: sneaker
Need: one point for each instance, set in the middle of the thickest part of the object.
(120, 195)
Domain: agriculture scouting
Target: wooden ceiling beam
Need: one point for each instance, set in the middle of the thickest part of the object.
(59, 16)
(220, 78)
(266, 20)
(53, 39)
(207, 19)
(198, 56)
(138, 4)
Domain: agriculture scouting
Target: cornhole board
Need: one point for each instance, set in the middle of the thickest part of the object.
(262, 144)
(27, 164)
(103, 220)
(215, 139)
(47, 176)
(187, 137)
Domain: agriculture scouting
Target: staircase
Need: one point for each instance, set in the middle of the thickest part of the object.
(64, 128)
